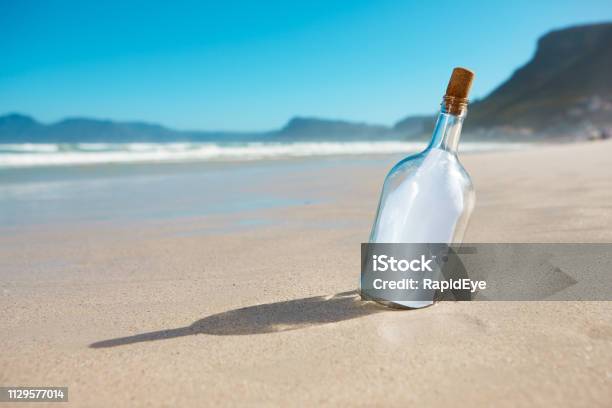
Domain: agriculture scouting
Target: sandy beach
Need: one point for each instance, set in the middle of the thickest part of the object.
(257, 306)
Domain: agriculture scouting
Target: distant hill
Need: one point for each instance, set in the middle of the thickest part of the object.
(564, 91)
(16, 128)
(325, 129)
(565, 88)
(415, 126)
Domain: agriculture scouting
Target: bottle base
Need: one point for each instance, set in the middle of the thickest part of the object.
(398, 304)
(405, 305)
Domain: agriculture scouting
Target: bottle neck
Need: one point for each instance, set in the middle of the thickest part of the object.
(447, 132)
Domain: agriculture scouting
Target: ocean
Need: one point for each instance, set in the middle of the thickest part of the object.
(32, 197)
(51, 184)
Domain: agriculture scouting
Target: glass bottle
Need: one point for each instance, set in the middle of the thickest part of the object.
(428, 197)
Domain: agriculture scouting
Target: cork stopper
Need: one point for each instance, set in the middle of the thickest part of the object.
(455, 98)
(460, 83)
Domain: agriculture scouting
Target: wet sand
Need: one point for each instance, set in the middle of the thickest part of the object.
(257, 306)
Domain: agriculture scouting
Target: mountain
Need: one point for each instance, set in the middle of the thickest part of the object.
(17, 128)
(300, 128)
(415, 126)
(565, 88)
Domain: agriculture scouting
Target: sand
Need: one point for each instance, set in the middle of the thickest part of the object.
(259, 308)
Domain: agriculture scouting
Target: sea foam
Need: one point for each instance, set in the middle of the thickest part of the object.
(29, 155)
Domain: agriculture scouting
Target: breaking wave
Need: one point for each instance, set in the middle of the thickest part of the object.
(29, 155)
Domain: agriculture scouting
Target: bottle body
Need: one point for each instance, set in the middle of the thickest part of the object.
(427, 197)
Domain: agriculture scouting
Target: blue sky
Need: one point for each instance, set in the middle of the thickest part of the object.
(251, 65)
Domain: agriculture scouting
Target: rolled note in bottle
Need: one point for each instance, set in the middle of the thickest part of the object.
(428, 197)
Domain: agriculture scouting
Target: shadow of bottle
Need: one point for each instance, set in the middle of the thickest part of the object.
(266, 318)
